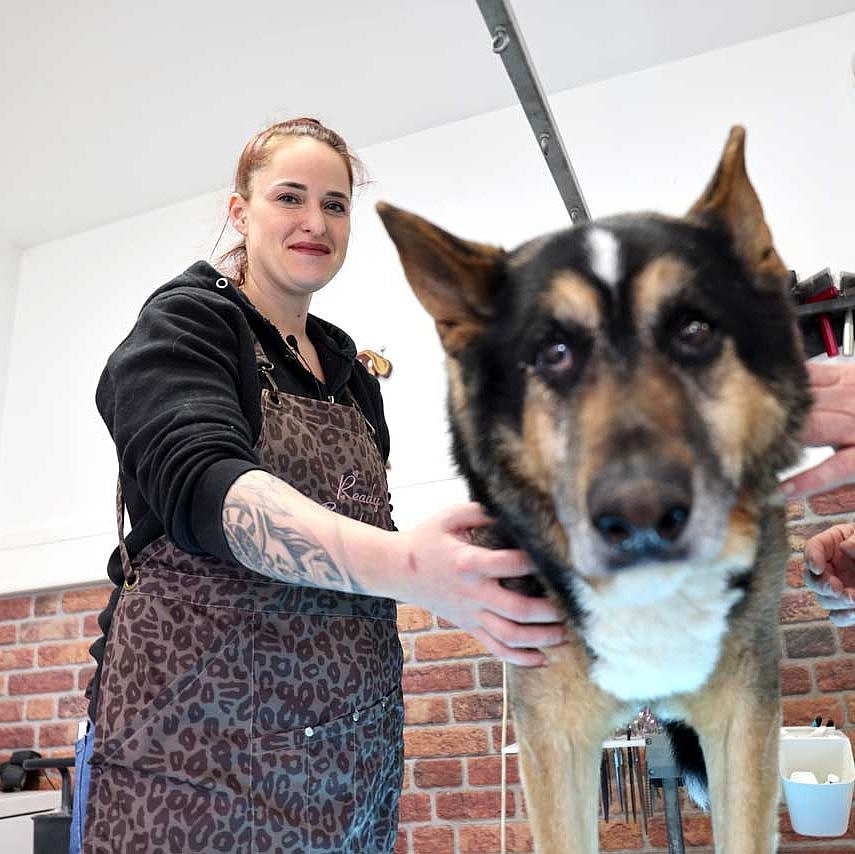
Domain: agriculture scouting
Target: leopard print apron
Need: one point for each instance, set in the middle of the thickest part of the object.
(239, 714)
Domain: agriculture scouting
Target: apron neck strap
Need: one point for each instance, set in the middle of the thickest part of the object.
(127, 568)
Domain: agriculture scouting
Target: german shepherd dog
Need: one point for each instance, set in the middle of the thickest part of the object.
(621, 396)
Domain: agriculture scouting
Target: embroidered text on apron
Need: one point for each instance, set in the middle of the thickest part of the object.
(239, 714)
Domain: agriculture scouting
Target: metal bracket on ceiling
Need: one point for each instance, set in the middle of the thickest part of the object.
(508, 43)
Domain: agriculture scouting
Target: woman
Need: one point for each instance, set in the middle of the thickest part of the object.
(249, 695)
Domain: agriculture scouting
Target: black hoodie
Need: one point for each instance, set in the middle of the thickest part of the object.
(180, 397)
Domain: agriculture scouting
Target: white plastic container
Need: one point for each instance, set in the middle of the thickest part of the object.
(817, 809)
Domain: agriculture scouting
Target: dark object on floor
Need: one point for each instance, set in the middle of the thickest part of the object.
(13, 775)
(51, 830)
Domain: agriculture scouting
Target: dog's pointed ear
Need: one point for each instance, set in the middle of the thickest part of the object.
(730, 202)
(452, 278)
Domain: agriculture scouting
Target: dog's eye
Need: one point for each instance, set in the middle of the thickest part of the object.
(555, 358)
(696, 337)
(695, 333)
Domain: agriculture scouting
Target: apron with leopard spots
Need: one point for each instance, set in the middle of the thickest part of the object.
(239, 714)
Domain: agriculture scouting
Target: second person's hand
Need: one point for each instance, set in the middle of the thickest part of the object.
(830, 572)
(831, 422)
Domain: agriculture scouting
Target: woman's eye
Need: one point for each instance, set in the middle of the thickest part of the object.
(289, 199)
(337, 207)
(555, 358)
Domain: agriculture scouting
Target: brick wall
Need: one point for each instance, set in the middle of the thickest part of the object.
(451, 798)
(45, 666)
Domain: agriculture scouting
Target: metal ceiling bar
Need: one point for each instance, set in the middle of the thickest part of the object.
(509, 44)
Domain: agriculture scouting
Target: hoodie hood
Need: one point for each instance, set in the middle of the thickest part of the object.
(203, 275)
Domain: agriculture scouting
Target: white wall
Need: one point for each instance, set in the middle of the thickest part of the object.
(644, 141)
(10, 257)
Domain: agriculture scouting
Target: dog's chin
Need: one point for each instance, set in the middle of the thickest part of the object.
(648, 579)
(641, 583)
(629, 563)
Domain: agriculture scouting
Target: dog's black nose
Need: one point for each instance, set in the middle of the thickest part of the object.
(640, 508)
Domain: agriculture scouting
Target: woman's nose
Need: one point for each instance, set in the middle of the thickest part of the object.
(314, 221)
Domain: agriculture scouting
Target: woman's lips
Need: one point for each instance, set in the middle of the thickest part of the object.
(310, 248)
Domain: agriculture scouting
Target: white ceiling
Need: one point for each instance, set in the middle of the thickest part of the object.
(112, 108)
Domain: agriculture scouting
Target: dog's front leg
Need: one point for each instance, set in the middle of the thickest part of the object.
(561, 719)
(738, 721)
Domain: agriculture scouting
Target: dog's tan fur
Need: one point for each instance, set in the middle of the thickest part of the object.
(571, 296)
(548, 462)
(654, 284)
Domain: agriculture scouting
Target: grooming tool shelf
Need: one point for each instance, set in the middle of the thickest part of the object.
(829, 306)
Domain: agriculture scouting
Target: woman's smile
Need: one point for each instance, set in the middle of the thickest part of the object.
(307, 248)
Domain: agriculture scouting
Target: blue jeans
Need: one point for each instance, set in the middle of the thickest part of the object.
(82, 755)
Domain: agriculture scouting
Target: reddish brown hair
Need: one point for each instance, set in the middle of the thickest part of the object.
(256, 155)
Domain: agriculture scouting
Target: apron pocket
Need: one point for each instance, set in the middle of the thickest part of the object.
(196, 728)
(330, 787)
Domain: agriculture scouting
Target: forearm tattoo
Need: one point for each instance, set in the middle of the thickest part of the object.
(264, 535)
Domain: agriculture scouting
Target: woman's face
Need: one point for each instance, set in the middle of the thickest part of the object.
(297, 219)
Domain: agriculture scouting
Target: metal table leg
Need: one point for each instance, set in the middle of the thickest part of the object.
(662, 768)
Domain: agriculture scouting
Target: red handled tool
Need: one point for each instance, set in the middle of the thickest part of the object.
(818, 288)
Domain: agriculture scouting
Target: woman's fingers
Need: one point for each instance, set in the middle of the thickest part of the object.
(827, 426)
(461, 517)
(826, 584)
(832, 382)
(820, 550)
(518, 607)
(822, 374)
(831, 421)
(840, 602)
(521, 636)
(516, 643)
(842, 619)
(519, 657)
(837, 470)
(496, 563)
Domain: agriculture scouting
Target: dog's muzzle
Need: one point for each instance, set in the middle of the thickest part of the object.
(639, 507)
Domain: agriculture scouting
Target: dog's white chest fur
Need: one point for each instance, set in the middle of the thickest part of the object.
(657, 632)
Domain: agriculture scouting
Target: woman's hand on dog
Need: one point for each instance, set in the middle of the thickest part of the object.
(831, 422)
(445, 573)
(830, 571)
